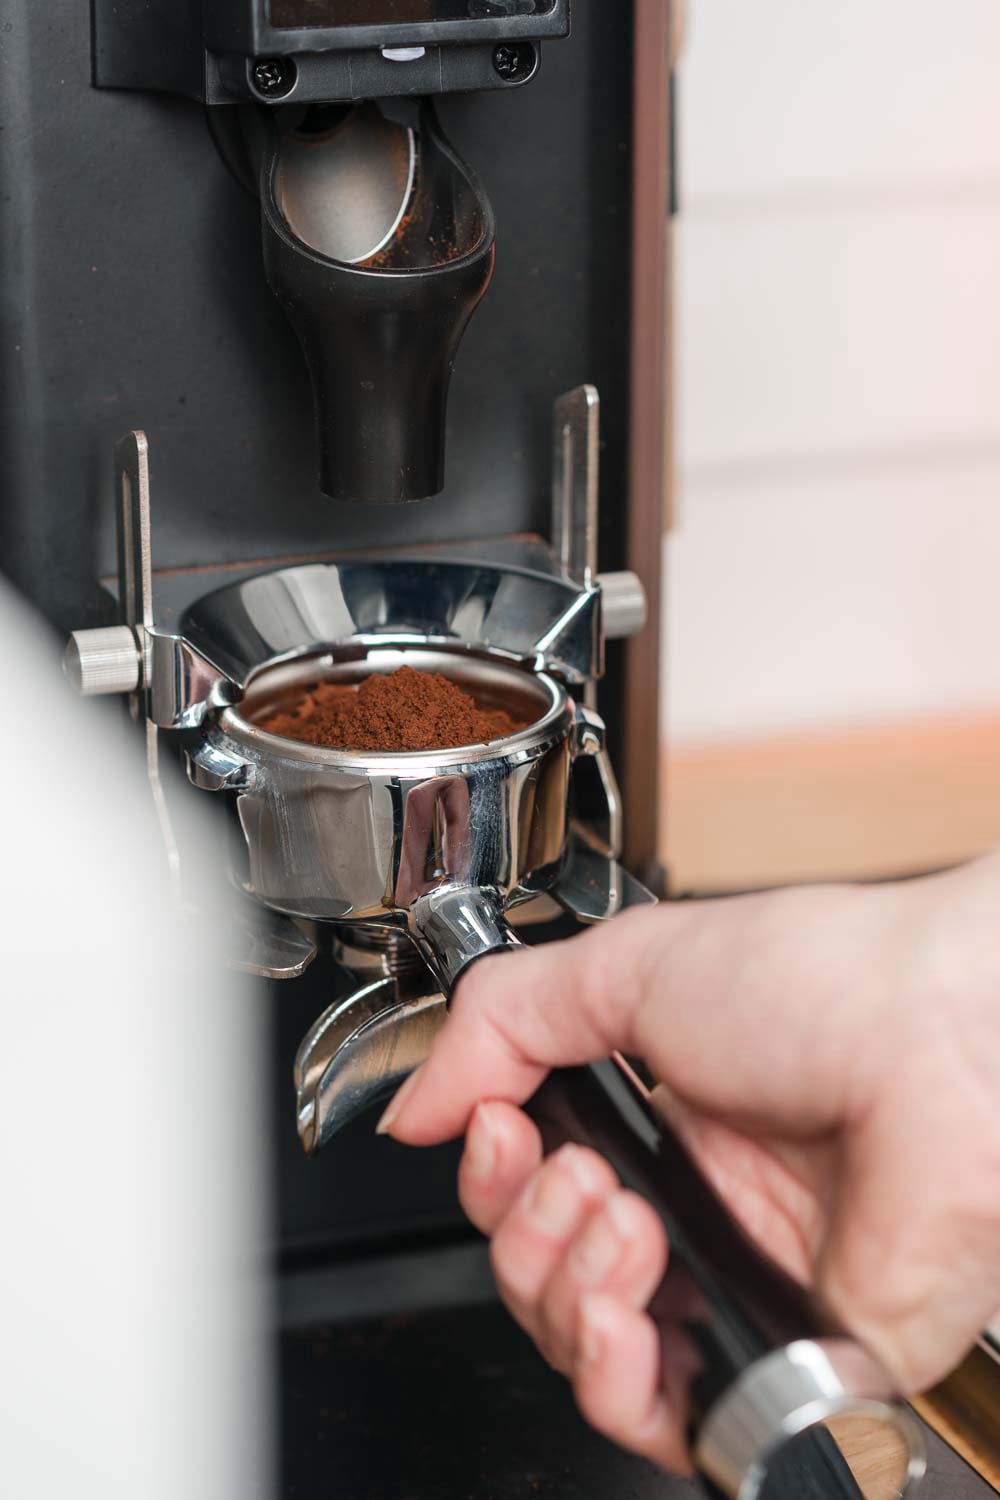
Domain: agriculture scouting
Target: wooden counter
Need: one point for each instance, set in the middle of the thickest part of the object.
(858, 805)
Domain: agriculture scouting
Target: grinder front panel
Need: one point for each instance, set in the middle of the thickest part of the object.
(134, 296)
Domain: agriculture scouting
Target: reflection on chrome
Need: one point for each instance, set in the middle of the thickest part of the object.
(331, 835)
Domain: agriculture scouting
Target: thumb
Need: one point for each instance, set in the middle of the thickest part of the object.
(517, 1015)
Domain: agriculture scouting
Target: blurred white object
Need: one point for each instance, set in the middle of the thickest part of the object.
(133, 1311)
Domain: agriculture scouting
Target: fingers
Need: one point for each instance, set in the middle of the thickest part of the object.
(502, 1149)
(912, 1262)
(519, 1014)
(559, 1229)
(618, 1381)
(533, 1238)
(746, 1008)
(576, 1257)
(620, 1250)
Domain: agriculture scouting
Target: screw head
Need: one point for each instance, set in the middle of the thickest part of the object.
(514, 61)
(273, 77)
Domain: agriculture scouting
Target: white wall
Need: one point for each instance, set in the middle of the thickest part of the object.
(837, 558)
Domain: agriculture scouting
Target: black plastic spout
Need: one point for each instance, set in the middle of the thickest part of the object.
(379, 243)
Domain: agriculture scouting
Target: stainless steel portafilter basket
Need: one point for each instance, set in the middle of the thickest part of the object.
(782, 1403)
(437, 843)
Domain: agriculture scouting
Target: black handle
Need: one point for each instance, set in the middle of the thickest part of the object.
(731, 1303)
(760, 1363)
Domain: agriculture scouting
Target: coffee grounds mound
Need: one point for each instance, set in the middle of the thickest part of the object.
(403, 710)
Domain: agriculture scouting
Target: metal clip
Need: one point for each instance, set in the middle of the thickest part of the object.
(588, 732)
(213, 769)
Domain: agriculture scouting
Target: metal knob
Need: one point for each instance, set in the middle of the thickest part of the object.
(102, 661)
(624, 604)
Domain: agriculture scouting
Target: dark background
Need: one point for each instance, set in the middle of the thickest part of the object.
(133, 295)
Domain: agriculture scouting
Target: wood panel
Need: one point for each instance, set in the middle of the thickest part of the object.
(965, 1411)
(861, 805)
(649, 416)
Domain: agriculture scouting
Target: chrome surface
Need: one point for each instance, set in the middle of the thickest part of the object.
(516, 600)
(606, 823)
(473, 820)
(334, 835)
(102, 661)
(360, 1050)
(178, 590)
(203, 654)
(135, 578)
(135, 564)
(215, 767)
(268, 945)
(576, 456)
(375, 952)
(531, 618)
(345, 192)
(576, 482)
(790, 1391)
(170, 683)
(183, 684)
(588, 731)
(453, 925)
(353, 1055)
(593, 887)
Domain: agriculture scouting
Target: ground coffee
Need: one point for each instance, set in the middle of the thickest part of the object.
(403, 710)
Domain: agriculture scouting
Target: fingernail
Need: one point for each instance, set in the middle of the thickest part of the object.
(554, 1200)
(392, 1114)
(481, 1144)
(593, 1339)
(583, 1166)
(626, 1214)
(597, 1251)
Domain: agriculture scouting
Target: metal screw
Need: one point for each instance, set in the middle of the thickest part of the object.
(273, 77)
(512, 62)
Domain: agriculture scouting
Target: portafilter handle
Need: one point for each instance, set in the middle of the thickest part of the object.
(767, 1367)
(453, 926)
(782, 1402)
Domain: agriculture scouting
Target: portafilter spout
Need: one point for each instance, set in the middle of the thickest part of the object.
(379, 245)
(364, 1046)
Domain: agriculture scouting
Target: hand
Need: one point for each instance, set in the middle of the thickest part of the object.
(832, 1058)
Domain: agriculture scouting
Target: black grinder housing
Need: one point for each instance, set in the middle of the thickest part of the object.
(378, 239)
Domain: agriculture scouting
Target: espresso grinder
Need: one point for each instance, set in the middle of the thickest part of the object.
(253, 562)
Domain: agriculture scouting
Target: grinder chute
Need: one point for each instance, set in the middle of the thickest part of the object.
(379, 245)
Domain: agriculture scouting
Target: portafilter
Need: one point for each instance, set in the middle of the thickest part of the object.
(439, 843)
